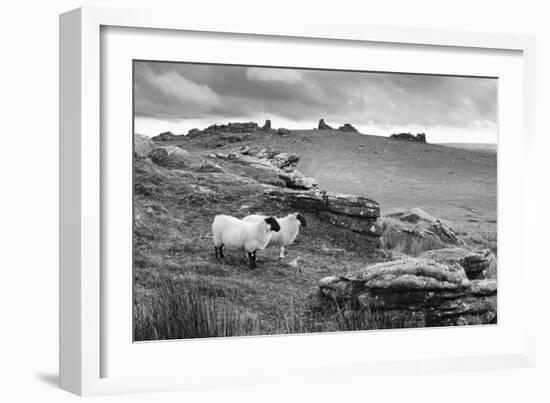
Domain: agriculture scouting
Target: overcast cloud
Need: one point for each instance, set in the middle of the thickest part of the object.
(208, 93)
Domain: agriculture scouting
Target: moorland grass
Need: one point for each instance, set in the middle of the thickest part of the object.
(183, 310)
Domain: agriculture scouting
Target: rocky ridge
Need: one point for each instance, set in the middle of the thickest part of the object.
(419, 138)
(426, 290)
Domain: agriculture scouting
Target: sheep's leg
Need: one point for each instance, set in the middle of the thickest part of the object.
(219, 252)
(282, 253)
(252, 259)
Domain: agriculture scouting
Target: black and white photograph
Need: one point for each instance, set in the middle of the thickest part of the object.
(271, 201)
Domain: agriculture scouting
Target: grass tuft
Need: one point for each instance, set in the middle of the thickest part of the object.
(183, 310)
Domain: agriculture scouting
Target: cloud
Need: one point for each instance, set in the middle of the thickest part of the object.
(169, 93)
(218, 92)
(288, 76)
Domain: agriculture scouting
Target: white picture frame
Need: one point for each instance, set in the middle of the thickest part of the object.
(82, 193)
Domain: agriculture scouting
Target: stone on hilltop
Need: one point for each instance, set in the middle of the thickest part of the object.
(419, 138)
(323, 126)
(235, 127)
(348, 128)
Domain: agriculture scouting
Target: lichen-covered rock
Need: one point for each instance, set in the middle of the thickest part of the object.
(370, 227)
(413, 230)
(431, 292)
(478, 264)
(284, 161)
(174, 157)
(275, 164)
(143, 145)
(170, 157)
(297, 180)
(351, 205)
(323, 201)
(357, 214)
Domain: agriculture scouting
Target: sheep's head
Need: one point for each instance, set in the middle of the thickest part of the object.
(273, 224)
(301, 219)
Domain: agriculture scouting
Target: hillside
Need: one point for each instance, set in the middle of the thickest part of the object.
(454, 184)
(182, 182)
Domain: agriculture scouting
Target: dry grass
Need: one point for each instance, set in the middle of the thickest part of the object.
(179, 310)
(484, 240)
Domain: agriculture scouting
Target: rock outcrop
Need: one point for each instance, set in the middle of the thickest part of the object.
(143, 145)
(237, 127)
(166, 136)
(170, 157)
(267, 125)
(413, 230)
(419, 138)
(283, 132)
(193, 133)
(355, 213)
(425, 291)
(323, 126)
(174, 157)
(478, 264)
(274, 163)
(348, 128)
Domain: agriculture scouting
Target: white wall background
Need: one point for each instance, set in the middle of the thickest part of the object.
(29, 209)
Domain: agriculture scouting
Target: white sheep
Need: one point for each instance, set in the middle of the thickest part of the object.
(233, 233)
(290, 225)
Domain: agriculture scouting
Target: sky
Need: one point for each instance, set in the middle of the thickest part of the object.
(177, 97)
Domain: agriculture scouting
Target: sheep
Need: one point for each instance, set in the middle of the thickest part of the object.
(290, 225)
(238, 234)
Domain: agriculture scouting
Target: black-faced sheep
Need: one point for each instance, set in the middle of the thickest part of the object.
(290, 225)
(233, 233)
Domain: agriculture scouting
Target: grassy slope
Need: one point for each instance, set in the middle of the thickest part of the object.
(455, 184)
(174, 215)
(174, 210)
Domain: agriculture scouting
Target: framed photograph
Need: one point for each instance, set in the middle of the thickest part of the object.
(247, 203)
